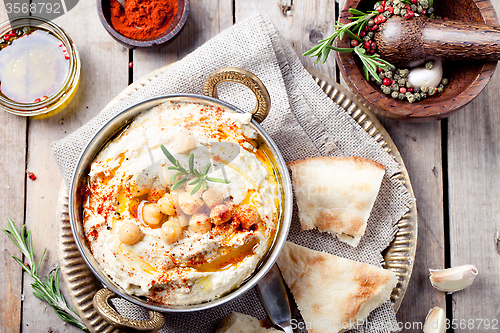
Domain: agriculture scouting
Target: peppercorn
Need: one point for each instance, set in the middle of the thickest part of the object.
(424, 89)
(403, 12)
(420, 9)
(432, 91)
(371, 23)
(388, 74)
(397, 77)
(375, 27)
(371, 34)
(413, 1)
(31, 176)
(424, 4)
(397, 11)
(430, 10)
(394, 94)
(402, 82)
(402, 90)
(408, 84)
(367, 44)
(387, 14)
(390, 10)
(401, 96)
(354, 43)
(413, 8)
(429, 65)
(386, 81)
(444, 81)
(366, 39)
(362, 34)
(380, 9)
(417, 96)
(408, 94)
(395, 87)
(440, 90)
(411, 98)
(423, 95)
(416, 89)
(386, 90)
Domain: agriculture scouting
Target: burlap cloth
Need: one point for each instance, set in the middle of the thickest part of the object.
(303, 122)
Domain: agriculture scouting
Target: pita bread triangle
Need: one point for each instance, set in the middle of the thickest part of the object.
(336, 194)
(333, 293)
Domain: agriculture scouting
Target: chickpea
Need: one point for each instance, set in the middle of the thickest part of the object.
(151, 214)
(200, 223)
(183, 142)
(189, 204)
(220, 214)
(167, 204)
(130, 233)
(171, 231)
(212, 197)
(248, 216)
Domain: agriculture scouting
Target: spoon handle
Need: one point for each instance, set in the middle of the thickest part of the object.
(274, 297)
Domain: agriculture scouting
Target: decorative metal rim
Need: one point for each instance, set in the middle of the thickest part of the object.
(399, 256)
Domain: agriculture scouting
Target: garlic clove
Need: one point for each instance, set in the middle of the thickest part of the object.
(420, 76)
(435, 322)
(453, 279)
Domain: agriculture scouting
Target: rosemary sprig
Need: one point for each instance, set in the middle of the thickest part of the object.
(47, 290)
(197, 178)
(370, 62)
(322, 50)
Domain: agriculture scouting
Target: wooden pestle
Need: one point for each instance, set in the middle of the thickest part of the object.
(401, 41)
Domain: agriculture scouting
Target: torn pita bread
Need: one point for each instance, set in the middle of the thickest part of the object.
(336, 194)
(333, 293)
(241, 323)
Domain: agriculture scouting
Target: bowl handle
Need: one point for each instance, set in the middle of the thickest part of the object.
(154, 323)
(246, 78)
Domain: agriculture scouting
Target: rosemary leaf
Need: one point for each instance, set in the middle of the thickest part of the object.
(48, 289)
(217, 180)
(342, 50)
(191, 163)
(196, 188)
(178, 184)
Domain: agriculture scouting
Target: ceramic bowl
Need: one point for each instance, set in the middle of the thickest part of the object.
(467, 78)
(103, 10)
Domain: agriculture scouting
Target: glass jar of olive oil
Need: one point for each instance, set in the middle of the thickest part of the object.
(39, 67)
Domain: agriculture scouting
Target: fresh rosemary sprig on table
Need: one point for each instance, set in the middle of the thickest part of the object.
(370, 62)
(47, 290)
(199, 178)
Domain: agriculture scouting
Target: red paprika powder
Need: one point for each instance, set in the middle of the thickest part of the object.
(142, 19)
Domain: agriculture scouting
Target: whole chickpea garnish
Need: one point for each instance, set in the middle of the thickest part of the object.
(151, 214)
(171, 231)
(167, 204)
(248, 216)
(130, 233)
(220, 214)
(189, 204)
(200, 223)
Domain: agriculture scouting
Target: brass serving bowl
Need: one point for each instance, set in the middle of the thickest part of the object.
(115, 126)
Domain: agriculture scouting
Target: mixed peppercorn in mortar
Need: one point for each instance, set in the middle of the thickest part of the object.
(184, 237)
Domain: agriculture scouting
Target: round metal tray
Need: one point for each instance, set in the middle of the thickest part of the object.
(399, 256)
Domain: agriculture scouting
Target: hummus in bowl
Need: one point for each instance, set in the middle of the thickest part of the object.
(189, 236)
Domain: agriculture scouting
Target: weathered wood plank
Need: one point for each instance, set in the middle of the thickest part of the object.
(104, 74)
(301, 22)
(420, 148)
(474, 187)
(206, 19)
(12, 173)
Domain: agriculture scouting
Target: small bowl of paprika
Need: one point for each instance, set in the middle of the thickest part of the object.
(143, 23)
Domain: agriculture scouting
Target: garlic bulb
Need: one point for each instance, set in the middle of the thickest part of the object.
(435, 322)
(421, 76)
(453, 279)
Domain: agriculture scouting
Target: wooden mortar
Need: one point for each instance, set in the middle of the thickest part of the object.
(467, 78)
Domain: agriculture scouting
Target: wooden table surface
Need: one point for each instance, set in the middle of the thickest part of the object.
(453, 164)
